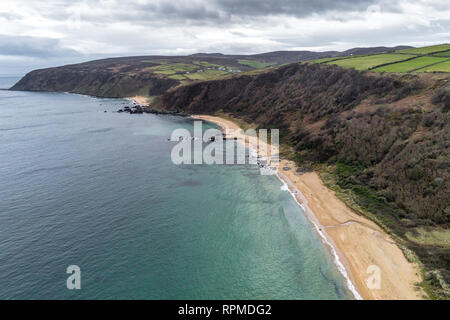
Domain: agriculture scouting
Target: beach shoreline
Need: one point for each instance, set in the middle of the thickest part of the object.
(360, 248)
(141, 100)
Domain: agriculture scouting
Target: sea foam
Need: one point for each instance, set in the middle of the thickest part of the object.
(317, 226)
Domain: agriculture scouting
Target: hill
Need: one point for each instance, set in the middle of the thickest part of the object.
(153, 75)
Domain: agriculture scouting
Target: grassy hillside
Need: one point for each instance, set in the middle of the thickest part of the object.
(442, 67)
(425, 59)
(368, 62)
(150, 75)
(380, 141)
(414, 64)
(255, 63)
(154, 75)
(427, 50)
(123, 77)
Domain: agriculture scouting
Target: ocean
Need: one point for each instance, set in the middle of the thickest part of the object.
(81, 186)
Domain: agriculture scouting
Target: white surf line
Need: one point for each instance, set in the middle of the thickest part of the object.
(318, 227)
(131, 100)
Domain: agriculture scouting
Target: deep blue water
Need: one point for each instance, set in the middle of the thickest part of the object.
(98, 190)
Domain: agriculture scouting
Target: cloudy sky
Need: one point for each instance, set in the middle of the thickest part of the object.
(36, 34)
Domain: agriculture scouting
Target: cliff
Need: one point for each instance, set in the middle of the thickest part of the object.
(94, 81)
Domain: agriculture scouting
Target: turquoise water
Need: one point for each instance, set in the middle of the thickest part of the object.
(98, 190)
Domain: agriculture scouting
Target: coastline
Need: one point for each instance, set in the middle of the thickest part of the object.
(143, 101)
(356, 243)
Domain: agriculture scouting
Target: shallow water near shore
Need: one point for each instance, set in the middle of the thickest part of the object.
(98, 190)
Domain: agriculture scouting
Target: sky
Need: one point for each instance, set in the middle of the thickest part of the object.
(39, 34)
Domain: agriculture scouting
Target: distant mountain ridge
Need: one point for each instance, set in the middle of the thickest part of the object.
(154, 75)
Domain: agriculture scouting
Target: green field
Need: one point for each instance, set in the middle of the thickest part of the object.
(441, 67)
(366, 62)
(426, 50)
(202, 70)
(207, 64)
(324, 60)
(206, 74)
(423, 57)
(255, 64)
(180, 77)
(442, 54)
(197, 70)
(173, 68)
(410, 65)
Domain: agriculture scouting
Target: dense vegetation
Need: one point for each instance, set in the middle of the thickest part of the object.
(385, 138)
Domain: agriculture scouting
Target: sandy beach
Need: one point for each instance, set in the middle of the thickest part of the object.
(143, 101)
(360, 247)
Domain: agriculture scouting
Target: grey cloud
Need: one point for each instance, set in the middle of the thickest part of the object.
(9, 16)
(33, 47)
(387, 36)
(183, 27)
(192, 11)
(221, 11)
(298, 8)
(216, 11)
